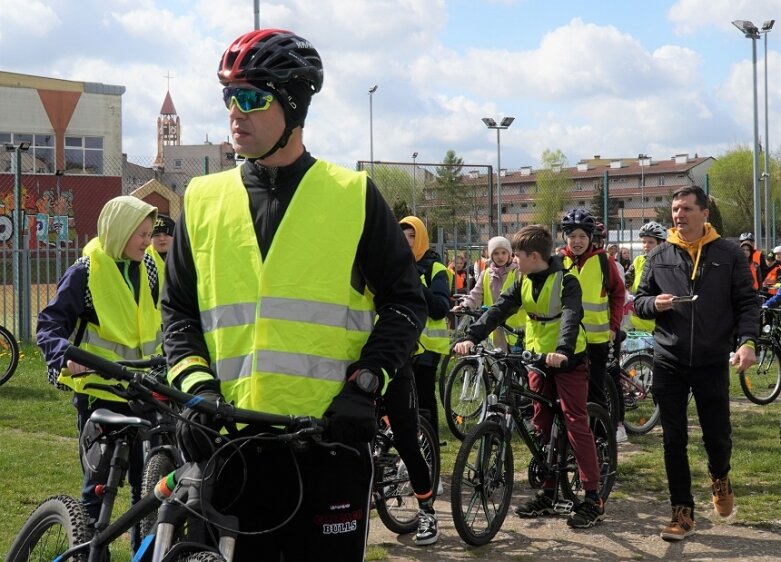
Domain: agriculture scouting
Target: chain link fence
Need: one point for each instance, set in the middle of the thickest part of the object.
(59, 215)
(459, 203)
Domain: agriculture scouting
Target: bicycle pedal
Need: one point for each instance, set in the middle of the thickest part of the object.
(563, 506)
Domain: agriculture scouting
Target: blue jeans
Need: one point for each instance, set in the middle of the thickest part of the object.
(91, 501)
(709, 385)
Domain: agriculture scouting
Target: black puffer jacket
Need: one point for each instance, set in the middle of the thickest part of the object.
(702, 332)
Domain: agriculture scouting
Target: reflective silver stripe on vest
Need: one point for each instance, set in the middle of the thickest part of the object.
(597, 327)
(325, 314)
(437, 333)
(554, 306)
(147, 348)
(283, 363)
(296, 310)
(228, 316)
(596, 307)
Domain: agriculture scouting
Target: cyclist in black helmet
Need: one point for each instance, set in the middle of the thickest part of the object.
(289, 289)
(603, 294)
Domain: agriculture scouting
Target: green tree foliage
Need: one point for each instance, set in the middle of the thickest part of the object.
(454, 204)
(731, 179)
(395, 184)
(554, 188)
(597, 207)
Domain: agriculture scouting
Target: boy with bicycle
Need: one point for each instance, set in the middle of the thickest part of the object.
(551, 297)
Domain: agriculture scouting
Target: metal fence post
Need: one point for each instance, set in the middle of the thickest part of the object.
(26, 292)
(605, 206)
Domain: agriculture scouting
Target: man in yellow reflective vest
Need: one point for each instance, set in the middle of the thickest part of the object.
(289, 289)
(107, 303)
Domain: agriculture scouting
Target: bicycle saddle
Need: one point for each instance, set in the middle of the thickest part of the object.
(107, 417)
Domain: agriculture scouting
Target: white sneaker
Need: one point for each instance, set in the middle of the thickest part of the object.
(621, 436)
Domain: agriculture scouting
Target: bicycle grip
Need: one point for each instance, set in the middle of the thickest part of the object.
(102, 366)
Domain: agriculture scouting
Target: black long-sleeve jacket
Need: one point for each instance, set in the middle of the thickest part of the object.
(383, 263)
(702, 332)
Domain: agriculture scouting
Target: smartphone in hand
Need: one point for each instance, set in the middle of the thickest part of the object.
(685, 298)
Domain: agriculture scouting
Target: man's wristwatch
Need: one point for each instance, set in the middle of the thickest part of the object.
(366, 380)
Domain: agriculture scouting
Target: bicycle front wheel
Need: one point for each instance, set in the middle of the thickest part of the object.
(482, 484)
(641, 412)
(465, 393)
(9, 354)
(761, 383)
(604, 433)
(157, 466)
(56, 525)
(395, 500)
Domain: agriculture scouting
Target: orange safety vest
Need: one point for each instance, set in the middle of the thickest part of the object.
(771, 279)
(754, 267)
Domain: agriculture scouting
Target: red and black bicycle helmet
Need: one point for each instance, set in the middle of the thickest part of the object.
(282, 62)
(272, 57)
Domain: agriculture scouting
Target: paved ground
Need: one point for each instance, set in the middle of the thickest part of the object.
(630, 532)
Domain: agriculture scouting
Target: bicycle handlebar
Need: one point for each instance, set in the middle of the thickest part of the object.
(527, 357)
(478, 313)
(219, 410)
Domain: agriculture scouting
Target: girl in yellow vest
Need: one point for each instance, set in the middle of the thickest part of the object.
(108, 303)
(498, 276)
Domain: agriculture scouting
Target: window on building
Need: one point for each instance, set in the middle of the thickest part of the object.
(84, 155)
(178, 163)
(38, 159)
(661, 180)
(658, 199)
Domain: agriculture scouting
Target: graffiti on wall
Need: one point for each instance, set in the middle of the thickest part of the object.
(48, 218)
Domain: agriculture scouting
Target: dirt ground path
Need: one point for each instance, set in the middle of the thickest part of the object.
(629, 532)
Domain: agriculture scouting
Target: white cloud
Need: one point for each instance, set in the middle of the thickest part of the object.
(693, 15)
(30, 19)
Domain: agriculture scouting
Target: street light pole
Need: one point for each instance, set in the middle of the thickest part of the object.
(414, 157)
(22, 328)
(751, 32)
(491, 124)
(371, 130)
(641, 159)
(766, 27)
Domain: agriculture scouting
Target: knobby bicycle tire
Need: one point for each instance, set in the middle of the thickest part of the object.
(482, 484)
(761, 383)
(607, 457)
(464, 404)
(9, 355)
(157, 466)
(641, 412)
(56, 525)
(612, 396)
(203, 556)
(395, 501)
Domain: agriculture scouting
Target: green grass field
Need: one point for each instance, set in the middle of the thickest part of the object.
(38, 455)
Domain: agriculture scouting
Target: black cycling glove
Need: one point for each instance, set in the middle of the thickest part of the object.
(196, 443)
(351, 417)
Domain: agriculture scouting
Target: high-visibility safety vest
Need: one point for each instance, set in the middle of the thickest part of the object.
(435, 336)
(772, 279)
(127, 330)
(641, 324)
(596, 309)
(159, 262)
(280, 336)
(517, 320)
(754, 266)
(542, 327)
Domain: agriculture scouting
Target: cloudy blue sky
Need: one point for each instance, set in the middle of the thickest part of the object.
(612, 77)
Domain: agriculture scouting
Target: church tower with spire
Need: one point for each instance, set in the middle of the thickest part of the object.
(169, 132)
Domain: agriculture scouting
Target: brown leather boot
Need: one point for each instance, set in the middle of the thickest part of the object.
(723, 498)
(681, 525)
